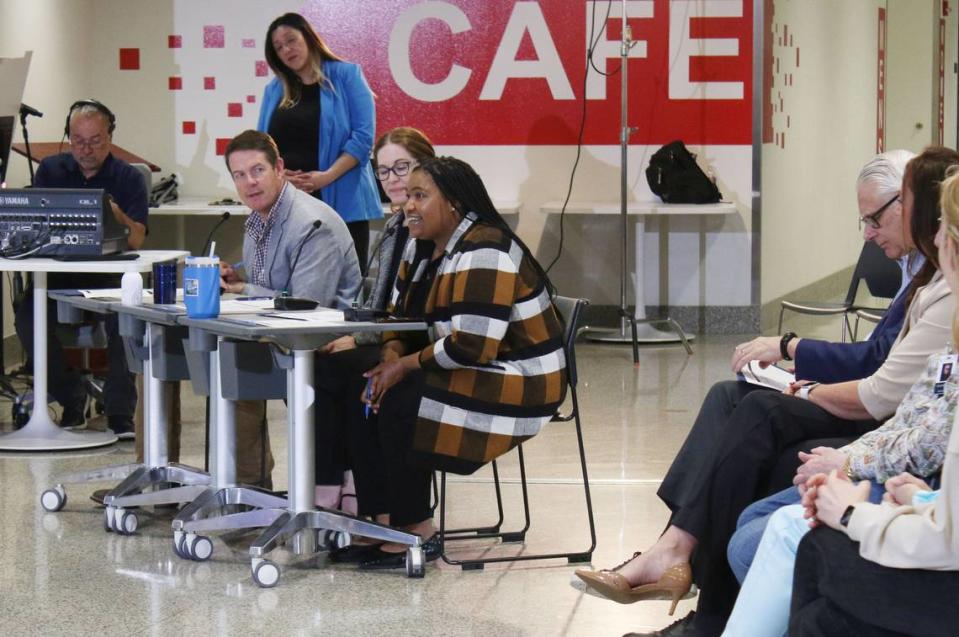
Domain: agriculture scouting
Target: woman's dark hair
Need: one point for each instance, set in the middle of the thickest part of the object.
(462, 187)
(319, 53)
(923, 175)
(416, 143)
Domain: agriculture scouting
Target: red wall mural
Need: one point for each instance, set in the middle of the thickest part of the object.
(511, 72)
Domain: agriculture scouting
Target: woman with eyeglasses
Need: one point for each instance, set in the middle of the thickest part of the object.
(341, 424)
(908, 526)
(319, 110)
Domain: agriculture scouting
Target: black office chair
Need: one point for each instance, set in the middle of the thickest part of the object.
(882, 276)
(571, 310)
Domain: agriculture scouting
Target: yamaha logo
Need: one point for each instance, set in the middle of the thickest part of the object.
(14, 201)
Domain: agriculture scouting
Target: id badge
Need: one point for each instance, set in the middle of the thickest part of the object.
(947, 364)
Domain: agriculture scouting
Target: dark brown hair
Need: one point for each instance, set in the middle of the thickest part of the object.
(924, 173)
(252, 140)
(319, 53)
(416, 143)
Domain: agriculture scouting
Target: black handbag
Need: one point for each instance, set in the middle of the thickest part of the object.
(675, 177)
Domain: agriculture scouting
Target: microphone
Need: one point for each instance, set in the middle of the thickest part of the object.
(29, 110)
(286, 302)
(355, 312)
(209, 238)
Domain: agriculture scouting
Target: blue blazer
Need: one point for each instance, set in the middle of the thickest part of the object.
(827, 362)
(347, 125)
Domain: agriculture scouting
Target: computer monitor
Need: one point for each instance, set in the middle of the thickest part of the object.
(6, 138)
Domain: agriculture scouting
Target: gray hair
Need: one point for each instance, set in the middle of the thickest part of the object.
(884, 172)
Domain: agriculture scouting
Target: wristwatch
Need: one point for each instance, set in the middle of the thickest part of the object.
(784, 345)
(846, 515)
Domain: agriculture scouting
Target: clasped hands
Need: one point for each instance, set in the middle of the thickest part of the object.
(308, 181)
(392, 369)
(827, 496)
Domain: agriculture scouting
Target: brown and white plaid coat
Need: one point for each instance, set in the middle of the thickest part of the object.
(494, 369)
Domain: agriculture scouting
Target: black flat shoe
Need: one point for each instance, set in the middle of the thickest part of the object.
(353, 553)
(381, 560)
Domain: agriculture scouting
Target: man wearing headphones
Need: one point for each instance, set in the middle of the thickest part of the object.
(89, 164)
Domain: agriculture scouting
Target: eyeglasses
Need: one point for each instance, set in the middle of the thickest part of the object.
(399, 168)
(92, 144)
(873, 220)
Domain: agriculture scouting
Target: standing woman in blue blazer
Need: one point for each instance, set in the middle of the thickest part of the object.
(319, 110)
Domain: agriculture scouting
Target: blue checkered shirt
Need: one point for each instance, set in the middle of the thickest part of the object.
(260, 231)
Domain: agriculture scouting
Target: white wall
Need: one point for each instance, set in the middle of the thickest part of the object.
(809, 226)
(58, 33)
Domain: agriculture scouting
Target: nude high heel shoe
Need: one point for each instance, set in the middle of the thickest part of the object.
(675, 584)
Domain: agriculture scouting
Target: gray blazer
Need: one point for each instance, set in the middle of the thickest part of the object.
(327, 270)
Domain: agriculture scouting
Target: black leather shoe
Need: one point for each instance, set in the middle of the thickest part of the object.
(682, 628)
(380, 559)
(122, 426)
(72, 418)
(353, 554)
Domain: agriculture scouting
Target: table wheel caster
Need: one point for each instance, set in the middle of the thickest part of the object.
(415, 562)
(199, 547)
(266, 574)
(125, 522)
(54, 499)
(179, 545)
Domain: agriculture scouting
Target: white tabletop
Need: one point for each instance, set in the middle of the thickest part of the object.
(638, 208)
(199, 206)
(45, 264)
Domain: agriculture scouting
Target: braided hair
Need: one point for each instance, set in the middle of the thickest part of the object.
(462, 187)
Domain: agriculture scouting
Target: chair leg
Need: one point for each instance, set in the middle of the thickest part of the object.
(519, 536)
(483, 531)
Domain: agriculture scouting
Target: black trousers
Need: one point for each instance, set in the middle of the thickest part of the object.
(407, 483)
(345, 437)
(360, 231)
(837, 592)
(724, 465)
(63, 382)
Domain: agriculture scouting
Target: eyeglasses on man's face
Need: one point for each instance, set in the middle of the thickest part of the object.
(400, 168)
(94, 143)
(872, 220)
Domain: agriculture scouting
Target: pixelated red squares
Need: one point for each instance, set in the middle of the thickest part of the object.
(189, 128)
(249, 43)
(176, 83)
(174, 41)
(213, 36)
(234, 109)
(221, 144)
(251, 99)
(261, 68)
(129, 59)
(209, 83)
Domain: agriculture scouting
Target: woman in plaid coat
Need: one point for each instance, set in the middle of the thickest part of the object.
(491, 370)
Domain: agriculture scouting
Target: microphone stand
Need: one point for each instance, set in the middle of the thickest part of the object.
(627, 318)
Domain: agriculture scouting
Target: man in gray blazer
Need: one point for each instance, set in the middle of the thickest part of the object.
(283, 251)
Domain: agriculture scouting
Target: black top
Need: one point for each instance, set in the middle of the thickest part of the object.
(296, 130)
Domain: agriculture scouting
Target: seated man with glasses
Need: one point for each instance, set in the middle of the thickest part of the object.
(89, 164)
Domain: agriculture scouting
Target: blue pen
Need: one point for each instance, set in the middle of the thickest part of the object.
(369, 396)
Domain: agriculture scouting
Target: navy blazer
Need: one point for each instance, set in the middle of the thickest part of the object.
(828, 362)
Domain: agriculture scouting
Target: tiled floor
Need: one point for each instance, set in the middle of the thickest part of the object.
(61, 574)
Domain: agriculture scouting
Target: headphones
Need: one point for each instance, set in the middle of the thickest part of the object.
(111, 118)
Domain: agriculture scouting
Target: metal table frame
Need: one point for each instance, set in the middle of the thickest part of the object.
(297, 520)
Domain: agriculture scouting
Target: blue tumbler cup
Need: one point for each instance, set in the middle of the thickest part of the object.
(201, 287)
(164, 283)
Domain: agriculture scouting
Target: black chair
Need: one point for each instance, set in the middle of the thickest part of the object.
(571, 310)
(882, 276)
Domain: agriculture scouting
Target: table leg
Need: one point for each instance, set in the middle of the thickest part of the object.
(645, 332)
(41, 433)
